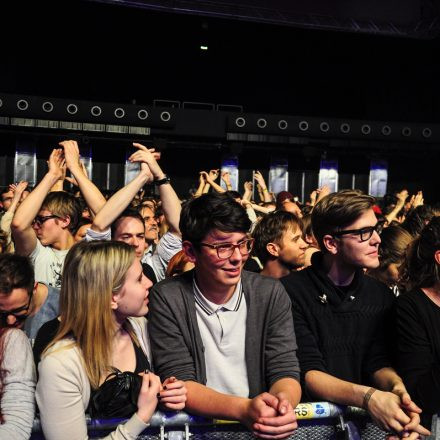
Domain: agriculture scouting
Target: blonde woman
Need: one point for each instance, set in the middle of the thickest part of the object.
(103, 300)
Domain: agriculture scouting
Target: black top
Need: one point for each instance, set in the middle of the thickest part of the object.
(149, 273)
(342, 332)
(44, 337)
(418, 348)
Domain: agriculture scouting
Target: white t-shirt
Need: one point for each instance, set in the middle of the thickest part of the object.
(48, 264)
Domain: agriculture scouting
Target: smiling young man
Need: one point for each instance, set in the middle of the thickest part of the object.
(227, 332)
(341, 316)
(279, 244)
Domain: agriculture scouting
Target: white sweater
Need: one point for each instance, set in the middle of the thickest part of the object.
(63, 392)
(18, 401)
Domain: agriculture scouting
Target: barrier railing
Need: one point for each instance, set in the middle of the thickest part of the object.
(316, 420)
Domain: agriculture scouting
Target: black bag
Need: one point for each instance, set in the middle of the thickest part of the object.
(117, 396)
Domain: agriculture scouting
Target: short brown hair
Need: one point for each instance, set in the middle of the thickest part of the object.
(338, 210)
(16, 272)
(64, 205)
(270, 229)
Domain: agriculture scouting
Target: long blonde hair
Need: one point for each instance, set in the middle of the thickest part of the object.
(92, 273)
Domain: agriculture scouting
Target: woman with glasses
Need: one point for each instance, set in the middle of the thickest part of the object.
(102, 331)
(418, 320)
(17, 385)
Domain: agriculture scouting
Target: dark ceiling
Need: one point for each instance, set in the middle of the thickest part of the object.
(108, 52)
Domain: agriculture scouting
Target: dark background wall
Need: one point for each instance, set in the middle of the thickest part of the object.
(98, 51)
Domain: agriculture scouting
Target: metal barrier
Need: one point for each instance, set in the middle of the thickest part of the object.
(316, 421)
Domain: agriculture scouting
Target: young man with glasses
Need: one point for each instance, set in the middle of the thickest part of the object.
(227, 332)
(342, 315)
(43, 224)
(24, 303)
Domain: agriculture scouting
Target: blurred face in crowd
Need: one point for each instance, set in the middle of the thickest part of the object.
(356, 250)
(130, 230)
(14, 307)
(292, 207)
(291, 248)
(48, 227)
(6, 199)
(151, 227)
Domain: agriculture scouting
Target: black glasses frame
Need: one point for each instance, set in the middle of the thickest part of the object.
(244, 246)
(364, 233)
(40, 219)
(15, 313)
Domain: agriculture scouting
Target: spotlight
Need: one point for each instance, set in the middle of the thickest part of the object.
(142, 114)
(119, 112)
(96, 110)
(365, 129)
(72, 109)
(386, 130)
(22, 104)
(282, 124)
(324, 127)
(240, 122)
(426, 132)
(406, 131)
(345, 128)
(47, 106)
(165, 116)
(261, 123)
(303, 125)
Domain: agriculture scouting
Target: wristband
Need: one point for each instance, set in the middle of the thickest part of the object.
(166, 179)
(264, 189)
(367, 397)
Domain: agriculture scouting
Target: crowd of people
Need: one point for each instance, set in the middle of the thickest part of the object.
(114, 305)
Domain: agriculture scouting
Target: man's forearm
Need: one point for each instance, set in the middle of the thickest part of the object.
(387, 378)
(30, 206)
(207, 402)
(117, 203)
(329, 388)
(171, 206)
(289, 387)
(93, 197)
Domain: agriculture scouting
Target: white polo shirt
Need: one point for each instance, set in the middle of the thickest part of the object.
(223, 331)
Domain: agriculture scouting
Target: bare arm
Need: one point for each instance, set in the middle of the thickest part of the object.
(265, 192)
(226, 177)
(93, 197)
(248, 187)
(120, 200)
(24, 236)
(401, 198)
(170, 202)
(202, 183)
(210, 178)
(385, 408)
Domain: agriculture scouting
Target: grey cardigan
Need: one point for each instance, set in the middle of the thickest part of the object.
(270, 337)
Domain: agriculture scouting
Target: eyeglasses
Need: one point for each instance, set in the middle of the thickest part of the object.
(40, 219)
(364, 233)
(16, 313)
(225, 250)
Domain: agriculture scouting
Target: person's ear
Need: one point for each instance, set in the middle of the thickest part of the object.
(437, 256)
(114, 301)
(64, 221)
(188, 248)
(331, 244)
(273, 249)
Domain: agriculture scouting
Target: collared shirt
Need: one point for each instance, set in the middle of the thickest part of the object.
(223, 330)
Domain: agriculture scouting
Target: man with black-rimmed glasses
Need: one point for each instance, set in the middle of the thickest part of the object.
(341, 316)
(226, 332)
